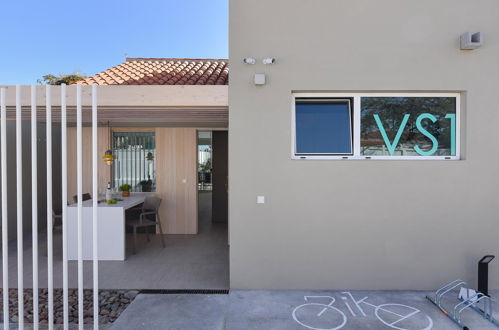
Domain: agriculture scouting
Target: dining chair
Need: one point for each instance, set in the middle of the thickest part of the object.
(84, 197)
(150, 208)
(56, 218)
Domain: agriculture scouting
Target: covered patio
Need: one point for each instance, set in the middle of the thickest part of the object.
(187, 262)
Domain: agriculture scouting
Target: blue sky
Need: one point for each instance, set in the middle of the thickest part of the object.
(66, 36)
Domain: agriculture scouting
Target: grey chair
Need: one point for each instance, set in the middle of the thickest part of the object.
(150, 209)
(84, 197)
(56, 218)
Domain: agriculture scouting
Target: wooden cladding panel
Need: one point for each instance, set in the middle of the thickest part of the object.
(176, 161)
(103, 169)
(202, 115)
(176, 166)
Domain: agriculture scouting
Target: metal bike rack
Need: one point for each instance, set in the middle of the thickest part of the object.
(473, 302)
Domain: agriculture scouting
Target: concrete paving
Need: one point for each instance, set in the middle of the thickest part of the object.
(246, 310)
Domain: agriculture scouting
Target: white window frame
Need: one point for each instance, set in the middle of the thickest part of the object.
(350, 115)
(356, 126)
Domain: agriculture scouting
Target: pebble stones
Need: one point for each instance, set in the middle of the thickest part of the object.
(111, 304)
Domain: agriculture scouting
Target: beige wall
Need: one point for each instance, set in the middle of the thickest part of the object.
(176, 166)
(360, 224)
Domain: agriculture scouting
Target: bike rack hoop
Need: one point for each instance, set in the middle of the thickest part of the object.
(446, 289)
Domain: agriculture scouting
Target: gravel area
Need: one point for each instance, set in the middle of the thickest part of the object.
(111, 304)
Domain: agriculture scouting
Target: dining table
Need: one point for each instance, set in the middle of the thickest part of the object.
(111, 228)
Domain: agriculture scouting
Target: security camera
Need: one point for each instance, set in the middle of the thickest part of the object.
(249, 60)
(268, 60)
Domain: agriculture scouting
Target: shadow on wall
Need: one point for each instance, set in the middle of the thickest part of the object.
(26, 170)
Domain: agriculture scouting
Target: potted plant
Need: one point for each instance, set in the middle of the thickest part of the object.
(125, 189)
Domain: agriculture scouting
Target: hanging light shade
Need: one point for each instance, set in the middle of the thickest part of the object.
(108, 157)
(150, 156)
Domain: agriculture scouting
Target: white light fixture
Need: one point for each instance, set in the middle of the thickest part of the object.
(268, 60)
(249, 60)
(471, 40)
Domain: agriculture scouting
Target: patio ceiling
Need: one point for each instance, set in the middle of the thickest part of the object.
(164, 105)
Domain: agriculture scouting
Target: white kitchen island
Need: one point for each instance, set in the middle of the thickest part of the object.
(111, 228)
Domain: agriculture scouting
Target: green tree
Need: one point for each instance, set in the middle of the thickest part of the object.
(68, 79)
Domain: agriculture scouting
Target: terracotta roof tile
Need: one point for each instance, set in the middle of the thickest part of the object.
(164, 71)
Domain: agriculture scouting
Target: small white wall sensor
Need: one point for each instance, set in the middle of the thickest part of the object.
(259, 79)
(260, 199)
(471, 40)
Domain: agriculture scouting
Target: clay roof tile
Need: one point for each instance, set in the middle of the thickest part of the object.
(163, 71)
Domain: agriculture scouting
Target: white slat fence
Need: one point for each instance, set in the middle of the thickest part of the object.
(50, 212)
(34, 204)
(5, 221)
(19, 184)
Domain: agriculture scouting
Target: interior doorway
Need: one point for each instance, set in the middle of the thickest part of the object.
(212, 179)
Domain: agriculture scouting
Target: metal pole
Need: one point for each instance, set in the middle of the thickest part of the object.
(79, 184)
(94, 208)
(50, 212)
(19, 183)
(5, 222)
(64, 170)
(34, 205)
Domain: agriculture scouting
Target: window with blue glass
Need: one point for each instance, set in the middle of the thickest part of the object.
(377, 125)
(323, 126)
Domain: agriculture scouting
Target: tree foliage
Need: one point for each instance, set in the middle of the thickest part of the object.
(68, 79)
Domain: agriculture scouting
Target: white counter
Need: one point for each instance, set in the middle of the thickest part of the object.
(111, 228)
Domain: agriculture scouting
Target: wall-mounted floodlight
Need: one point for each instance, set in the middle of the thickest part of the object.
(268, 60)
(249, 60)
(471, 40)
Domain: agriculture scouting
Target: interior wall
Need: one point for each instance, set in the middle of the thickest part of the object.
(104, 171)
(176, 165)
(176, 175)
(220, 176)
(27, 178)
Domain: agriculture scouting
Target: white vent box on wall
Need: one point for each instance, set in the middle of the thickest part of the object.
(471, 40)
(259, 79)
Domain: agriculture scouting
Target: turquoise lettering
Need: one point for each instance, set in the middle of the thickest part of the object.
(452, 118)
(391, 145)
(427, 134)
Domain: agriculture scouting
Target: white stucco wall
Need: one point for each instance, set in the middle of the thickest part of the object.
(360, 224)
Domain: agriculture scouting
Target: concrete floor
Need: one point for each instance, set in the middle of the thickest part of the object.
(246, 310)
(187, 262)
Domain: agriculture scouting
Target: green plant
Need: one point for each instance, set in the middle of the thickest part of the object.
(68, 79)
(125, 187)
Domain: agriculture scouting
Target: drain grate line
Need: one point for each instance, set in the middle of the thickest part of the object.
(182, 291)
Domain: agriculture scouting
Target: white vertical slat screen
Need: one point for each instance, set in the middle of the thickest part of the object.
(19, 184)
(79, 189)
(64, 171)
(5, 229)
(95, 195)
(49, 203)
(34, 205)
(50, 211)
